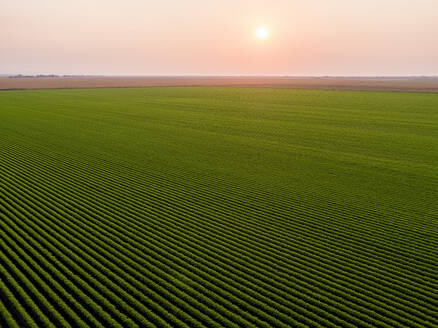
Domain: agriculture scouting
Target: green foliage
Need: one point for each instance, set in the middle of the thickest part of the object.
(218, 207)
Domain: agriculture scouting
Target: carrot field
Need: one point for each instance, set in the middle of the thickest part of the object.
(218, 207)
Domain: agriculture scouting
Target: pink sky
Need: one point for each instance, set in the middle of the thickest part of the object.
(212, 37)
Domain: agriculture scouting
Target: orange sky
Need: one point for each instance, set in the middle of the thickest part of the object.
(209, 37)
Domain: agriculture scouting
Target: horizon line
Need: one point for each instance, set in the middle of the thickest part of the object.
(54, 75)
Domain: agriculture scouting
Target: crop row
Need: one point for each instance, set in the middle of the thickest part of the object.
(307, 250)
(124, 245)
(397, 272)
(330, 235)
(216, 208)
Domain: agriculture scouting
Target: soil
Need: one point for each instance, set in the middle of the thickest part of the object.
(397, 84)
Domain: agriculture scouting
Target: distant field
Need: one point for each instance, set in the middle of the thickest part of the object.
(395, 84)
(218, 207)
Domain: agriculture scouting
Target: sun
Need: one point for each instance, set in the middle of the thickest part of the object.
(261, 32)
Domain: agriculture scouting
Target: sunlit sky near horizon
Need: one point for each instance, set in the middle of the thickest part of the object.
(219, 37)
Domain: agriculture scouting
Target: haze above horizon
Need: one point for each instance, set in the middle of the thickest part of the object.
(301, 38)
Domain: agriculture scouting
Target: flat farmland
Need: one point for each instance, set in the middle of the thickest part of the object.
(218, 207)
(422, 84)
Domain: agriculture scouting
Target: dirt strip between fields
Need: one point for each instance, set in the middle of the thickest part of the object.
(395, 84)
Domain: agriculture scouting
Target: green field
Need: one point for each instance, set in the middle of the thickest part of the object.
(218, 207)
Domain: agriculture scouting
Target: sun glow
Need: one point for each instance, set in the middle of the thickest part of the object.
(261, 32)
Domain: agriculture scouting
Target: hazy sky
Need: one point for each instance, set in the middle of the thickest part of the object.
(307, 37)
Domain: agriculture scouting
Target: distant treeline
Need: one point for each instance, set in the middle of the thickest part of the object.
(42, 75)
(39, 75)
